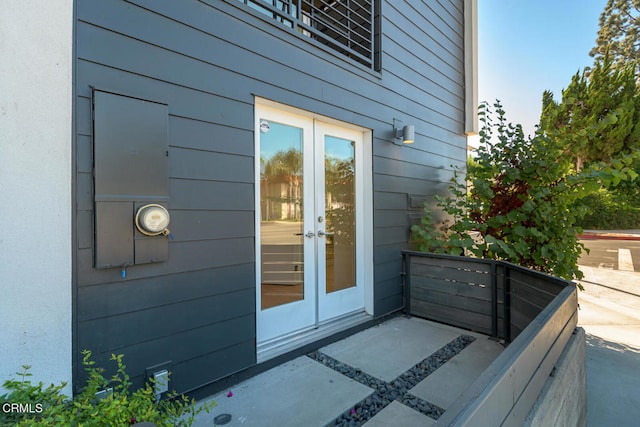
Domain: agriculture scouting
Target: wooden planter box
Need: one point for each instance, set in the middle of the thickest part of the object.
(535, 313)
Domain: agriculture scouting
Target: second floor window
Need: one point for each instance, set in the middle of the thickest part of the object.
(347, 26)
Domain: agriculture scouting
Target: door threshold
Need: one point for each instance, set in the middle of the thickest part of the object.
(275, 347)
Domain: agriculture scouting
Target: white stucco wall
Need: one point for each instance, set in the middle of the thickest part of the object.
(35, 188)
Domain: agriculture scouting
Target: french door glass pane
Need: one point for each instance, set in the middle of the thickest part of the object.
(281, 208)
(340, 214)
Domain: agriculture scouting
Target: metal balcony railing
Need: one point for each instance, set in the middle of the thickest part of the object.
(346, 26)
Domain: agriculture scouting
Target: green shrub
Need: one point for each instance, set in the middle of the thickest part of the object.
(606, 210)
(522, 202)
(47, 406)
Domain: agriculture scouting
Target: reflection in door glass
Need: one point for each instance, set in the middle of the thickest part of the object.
(339, 164)
(281, 204)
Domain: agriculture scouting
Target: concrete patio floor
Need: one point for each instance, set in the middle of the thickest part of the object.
(403, 372)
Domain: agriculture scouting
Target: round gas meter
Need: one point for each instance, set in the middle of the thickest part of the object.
(153, 220)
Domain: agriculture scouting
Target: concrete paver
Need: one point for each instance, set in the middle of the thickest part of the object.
(447, 383)
(301, 392)
(389, 349)
(396, 414)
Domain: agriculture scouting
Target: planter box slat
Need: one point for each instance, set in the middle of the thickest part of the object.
(468, 320)
(451, 274)
(543, 282)
(456, 288)
(524, 308)
(518, 323)
(452, 300)
(462, 263)
(532, 294)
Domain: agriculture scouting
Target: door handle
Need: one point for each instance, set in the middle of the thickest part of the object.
(309, 234)
(322, 234)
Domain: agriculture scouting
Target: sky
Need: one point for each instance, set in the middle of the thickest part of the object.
(528, 46)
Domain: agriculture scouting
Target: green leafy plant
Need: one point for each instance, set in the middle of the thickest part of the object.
(457, 239)
(610, 211)
(119, 407)
(521, 201)
(36, 397)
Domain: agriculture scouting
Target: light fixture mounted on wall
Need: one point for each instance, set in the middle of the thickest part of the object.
(407, 133)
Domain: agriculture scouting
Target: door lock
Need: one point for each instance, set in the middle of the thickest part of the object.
(310, 234)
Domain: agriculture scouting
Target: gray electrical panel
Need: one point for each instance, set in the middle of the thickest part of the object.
(130, 171)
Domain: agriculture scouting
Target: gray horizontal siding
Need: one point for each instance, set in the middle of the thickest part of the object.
(205, 224)
(395, 167)
(210, 137)
(141, 294)
(115, 332)
(191, 342)
(207, 60)
(285, 74)
(391, 235)
(410, 185)
(183, 256)
(210, 166)
(187, 372)
(434, 154)
(386, 253)
(390, 200)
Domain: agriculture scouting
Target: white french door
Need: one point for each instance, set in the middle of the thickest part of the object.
(338, 203)
(309, 228)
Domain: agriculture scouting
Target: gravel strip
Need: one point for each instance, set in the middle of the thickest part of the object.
(398, 389)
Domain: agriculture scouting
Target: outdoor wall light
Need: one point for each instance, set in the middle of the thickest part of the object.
(407, 133)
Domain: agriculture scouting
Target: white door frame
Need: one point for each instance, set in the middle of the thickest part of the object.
(364, 196)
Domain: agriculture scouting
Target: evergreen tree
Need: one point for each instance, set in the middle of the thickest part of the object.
(608, 95)
(619, 32)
